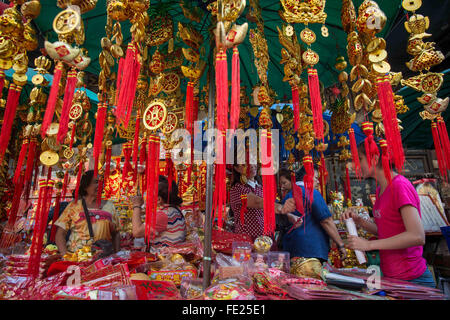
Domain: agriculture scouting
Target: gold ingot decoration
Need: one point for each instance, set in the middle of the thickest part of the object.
(190, 35)
(295, 11)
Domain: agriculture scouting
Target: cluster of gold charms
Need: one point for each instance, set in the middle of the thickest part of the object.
(425, 57)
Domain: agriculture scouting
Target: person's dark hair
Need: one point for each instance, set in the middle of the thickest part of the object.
(286, 173)
(171, 199)
(362, 151)
(85, 181)
(301, 173)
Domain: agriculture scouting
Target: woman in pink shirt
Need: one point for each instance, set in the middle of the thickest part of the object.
(397, 223)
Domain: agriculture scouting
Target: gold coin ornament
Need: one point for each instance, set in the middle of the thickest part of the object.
(68, 153)
(75, 111)
(155, 115)
(49, 158)
(310, 57)
(52, 129)
(5, 64)
(38, 79)
(376, 44)
(170, 124)
(308, 36)
(66, 21)
(411, 5)
(171, 82)
(378, 56)
(381, 67)
(324, 31)
(289, 31)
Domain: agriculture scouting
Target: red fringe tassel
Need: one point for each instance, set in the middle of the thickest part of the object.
(219, 196)
(385, 160)
(316, 103)
(309, 178)
(52, 97)
(439, 151)
(136, 147)
(392, 132)
(269, 188)
(222, 90)
(99, 130)
(55, 217)
(354, 150)
(296, 106)
(67, 104)
(8, 118)
(443, 134)
(348, 187)
(297, 194)
(77, 187)
(65, 183)
(31, 158)
(107, 164)
(244, 209)
(189, 108)
(152, 186)
(20, 160)
(235, 90)
(370, 144)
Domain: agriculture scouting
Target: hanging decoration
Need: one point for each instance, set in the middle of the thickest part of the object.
(425, 57)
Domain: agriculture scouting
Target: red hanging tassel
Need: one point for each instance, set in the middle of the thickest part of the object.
(22, 154)
(220, 180)
(152, 186)
(370, 144)
(170, 171)
(439, 151)
(127, 149)
(18, 188)
(99, 130)
(136, 146)
(269, 189)
(143, 152)
(222, 89)
(392, 132)
(309, 178)
(55, 216)
(77, 187)
(296, 106)
(52, 98)
(189, 109)
(354, 150)
(323, 174)
(34, 260)
(30, 166)
(244, 209)
(118, 84)
(40, 223)
(297, 194)
(127, 84)
(8, 118)
(445, 143)
(349, 189)
(65, 184)
(316, 103)
(72, 135)
(107, 163)
(385, 160)
(67, 104)
(235, 90)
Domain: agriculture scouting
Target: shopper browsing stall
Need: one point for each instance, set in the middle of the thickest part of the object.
(170, 227)
(246, 184)
(103, 219)
(397, 223)
(311, 239)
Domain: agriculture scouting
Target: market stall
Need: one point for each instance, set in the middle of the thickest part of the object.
(115, 187)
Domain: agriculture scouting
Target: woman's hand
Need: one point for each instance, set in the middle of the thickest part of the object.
(343, 253)
(137, 201)
(288, 207)
(357, 243)
(351, 213)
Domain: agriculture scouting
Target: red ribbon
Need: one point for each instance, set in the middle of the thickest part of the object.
(235, 90)
(52, 98)
(316, 103)
(67, 104)
(8, 117)
(99, 132)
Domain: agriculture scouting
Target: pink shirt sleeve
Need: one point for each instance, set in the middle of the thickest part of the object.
(405, 194)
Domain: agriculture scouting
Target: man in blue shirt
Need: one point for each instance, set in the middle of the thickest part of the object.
(311, 238)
